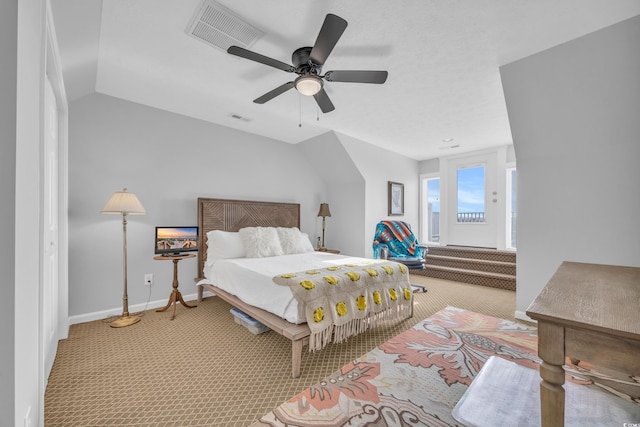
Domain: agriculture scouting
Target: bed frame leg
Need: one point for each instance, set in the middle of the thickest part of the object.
(200, 291)
(296, 358)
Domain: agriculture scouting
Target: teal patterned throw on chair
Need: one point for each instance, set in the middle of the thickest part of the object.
(394, 240)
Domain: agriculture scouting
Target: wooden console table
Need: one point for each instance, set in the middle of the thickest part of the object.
(587, 312)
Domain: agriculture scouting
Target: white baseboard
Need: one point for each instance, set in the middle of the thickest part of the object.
(523, 316)
(104, 314)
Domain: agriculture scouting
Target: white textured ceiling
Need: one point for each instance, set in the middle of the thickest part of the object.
(442, 57)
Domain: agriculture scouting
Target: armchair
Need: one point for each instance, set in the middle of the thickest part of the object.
(394, 240)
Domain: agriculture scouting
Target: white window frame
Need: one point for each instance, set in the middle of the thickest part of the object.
(510, 168)
(424, 225)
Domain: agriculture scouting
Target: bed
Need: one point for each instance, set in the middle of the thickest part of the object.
(277, 308)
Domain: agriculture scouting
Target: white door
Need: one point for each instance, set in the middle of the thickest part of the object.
(472, 198)
(50, 231)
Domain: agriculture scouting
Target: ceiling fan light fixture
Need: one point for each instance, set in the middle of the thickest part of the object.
(308, 84)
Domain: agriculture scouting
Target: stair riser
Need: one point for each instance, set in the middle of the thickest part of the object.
(470, 278)
(476, 266)
(479, 266)
(501, 256)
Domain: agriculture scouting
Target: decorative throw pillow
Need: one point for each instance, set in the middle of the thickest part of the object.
(224, 245)
(305, 242)
(290, 240)
(260, 242)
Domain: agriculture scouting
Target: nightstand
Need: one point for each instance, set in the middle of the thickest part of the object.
(331, 251)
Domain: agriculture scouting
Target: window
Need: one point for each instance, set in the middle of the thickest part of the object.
(433, 210)
(512, 211)
(471, 194)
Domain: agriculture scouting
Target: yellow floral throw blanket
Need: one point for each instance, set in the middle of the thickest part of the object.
(344, 300)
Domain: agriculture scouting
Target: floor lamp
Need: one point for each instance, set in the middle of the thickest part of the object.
(125, 203)
(323, 212)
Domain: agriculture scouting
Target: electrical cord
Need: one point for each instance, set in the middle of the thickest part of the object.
(139, 313)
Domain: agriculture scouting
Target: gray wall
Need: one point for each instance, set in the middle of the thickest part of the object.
(168, 161)
(8, 76)
(574, 113)
(345, 193)
(379, 166)
(430, 166)
(357, 174)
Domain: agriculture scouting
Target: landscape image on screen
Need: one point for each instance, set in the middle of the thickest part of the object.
(176, 239)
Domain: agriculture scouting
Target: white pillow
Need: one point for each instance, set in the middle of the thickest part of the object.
(290, 240)
(305, 242)
(260, 242)
(224, 245)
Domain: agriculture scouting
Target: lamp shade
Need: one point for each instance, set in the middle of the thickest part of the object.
(308, 84)
(123, 202)
(324, 210)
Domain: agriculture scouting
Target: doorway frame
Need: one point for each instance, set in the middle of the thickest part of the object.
(448, 190)
(52, 70)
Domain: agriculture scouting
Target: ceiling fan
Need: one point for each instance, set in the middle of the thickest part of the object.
(307, 64)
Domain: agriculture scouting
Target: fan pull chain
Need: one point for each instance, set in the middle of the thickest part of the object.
(317, 113)
(299, 110)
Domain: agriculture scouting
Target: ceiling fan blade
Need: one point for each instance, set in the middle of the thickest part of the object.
(356, 76)
(272, 94)
(247, 54)
(330, 33)
(324, 102)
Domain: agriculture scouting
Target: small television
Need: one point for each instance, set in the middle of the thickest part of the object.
(173, 241)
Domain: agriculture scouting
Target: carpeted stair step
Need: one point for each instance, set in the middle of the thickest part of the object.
(473, 253)
(500, 267)
(479, 266)
(482, 278)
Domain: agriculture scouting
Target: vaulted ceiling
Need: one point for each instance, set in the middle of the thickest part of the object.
(443, 59)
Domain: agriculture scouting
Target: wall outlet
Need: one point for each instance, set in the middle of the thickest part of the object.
(148, 279)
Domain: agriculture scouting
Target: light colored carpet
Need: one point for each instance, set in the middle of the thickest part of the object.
(204, 369)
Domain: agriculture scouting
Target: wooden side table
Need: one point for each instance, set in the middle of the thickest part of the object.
(586, 312)
(175, 296)
(331, 251)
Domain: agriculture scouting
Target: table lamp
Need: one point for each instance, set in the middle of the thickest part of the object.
(323, 212)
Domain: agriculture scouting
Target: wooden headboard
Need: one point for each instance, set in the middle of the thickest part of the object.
(232, 215)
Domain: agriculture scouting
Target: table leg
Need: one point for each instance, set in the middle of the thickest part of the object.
(200, 292)
(551, 351)
(173, 306)
(296, 357)
(182, 301)
(175, 296)
(172, 301)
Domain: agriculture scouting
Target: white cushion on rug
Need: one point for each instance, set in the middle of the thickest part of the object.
(260, 242)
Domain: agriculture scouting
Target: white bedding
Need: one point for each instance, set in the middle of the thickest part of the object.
(250, 279)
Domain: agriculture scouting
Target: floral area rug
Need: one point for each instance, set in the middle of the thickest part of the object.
(415, 378)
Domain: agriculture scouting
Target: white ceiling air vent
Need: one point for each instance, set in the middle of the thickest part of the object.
(217, 26)
(239, 117)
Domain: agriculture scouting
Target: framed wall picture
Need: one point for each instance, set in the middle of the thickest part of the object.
(396, 198)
